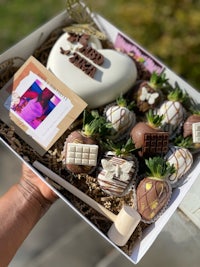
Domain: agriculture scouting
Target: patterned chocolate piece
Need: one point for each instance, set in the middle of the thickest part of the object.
(196, 132)
(155, 143)
(82, 154)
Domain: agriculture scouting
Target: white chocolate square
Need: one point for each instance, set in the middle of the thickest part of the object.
(92, 150)
(86, 149)
(71, 154)
(92, 162)
(85, 156)
(77, 161)
(82, 154)
(85, 162)
(70, 161)
(78, 149)
(73, 148)
(92, 156)
(78, 155)
(196, 132)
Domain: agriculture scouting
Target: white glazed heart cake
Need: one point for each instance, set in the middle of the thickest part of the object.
(116, 75)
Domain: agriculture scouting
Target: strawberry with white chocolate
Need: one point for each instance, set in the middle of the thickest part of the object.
(173, 111)
(121, 117)
(118, 169)
(181, 158)
(154, 191)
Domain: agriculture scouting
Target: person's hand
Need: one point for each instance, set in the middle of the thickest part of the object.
(21, 207)
(32, 182)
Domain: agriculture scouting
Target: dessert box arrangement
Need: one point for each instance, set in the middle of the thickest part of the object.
(123, 147)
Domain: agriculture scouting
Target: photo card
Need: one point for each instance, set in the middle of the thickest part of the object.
(38, 105)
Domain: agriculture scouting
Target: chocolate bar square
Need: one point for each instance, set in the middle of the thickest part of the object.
(155, 144)
(82, 154)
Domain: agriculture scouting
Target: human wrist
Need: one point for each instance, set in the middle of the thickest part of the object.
(33, 196)
(21, 207)
(30, 178)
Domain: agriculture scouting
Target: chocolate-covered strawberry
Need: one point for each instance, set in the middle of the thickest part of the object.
(94, 126)
(118, 169)
(149, 137)
(149, 93)
(121, 117)
(181, 158)
(173, 111)
(154, 191)
(191, 119)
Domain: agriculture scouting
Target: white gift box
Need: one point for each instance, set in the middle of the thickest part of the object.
(27, 46)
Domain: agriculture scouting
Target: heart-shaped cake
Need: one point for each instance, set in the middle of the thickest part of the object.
(115, 76)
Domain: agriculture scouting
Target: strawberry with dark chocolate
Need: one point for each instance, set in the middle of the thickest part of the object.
(154, 191)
